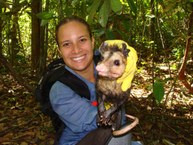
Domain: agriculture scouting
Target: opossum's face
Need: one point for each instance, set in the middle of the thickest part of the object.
(113, 62)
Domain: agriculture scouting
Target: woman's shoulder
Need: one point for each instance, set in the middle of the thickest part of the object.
(59, 86)
(59, 89)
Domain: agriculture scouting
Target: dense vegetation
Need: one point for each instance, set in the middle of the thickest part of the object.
(161, 31)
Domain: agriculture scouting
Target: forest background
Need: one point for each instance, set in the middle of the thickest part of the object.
(160, 31)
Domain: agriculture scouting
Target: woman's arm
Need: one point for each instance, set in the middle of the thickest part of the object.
(77, 113)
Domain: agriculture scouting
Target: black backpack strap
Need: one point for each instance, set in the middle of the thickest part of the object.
(55, 63)
(72, 81)
(75, 83)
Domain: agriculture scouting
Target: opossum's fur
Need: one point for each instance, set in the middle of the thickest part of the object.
(114, 60)
(110, 68)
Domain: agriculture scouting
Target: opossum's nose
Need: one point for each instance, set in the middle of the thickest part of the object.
(101, 68)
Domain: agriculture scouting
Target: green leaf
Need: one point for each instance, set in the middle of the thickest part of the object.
(44, 22)
(158, 91)
(132, 6)
(92, 9)
(104, 13)
(45, 15)
(116, 5)
(99, 32)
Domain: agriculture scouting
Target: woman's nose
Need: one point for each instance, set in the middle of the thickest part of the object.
(76, 48)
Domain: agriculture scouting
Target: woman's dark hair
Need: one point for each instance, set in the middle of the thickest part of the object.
(70, 19)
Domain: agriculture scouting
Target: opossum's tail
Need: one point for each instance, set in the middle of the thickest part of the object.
(127, 128)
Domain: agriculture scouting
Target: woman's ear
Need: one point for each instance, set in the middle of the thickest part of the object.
(60, 53)
(93, 42)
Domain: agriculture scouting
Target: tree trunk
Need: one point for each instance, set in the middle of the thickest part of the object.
(1, 28)
(152, 37)
(14, 32)
(36, 37)
(152, 22)
(44, 43)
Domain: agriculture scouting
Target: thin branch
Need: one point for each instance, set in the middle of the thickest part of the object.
(181, 74)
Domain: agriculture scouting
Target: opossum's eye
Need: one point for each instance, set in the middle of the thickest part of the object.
(117, 62)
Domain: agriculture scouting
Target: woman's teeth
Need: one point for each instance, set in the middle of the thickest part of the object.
(78, 58)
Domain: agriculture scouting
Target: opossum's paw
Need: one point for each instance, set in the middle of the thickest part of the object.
(99, 122)
(105, 120)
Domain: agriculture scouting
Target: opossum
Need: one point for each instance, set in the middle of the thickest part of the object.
(109, 93)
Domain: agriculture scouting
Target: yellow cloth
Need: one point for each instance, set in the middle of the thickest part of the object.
(131, 65)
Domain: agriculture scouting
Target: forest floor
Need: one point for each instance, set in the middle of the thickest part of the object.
(167, 123)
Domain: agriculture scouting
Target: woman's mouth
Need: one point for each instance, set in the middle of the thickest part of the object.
(78, 59)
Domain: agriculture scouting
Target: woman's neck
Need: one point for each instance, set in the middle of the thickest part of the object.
(88, 73)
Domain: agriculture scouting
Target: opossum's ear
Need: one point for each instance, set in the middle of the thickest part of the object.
(102, 47)
(125, 50)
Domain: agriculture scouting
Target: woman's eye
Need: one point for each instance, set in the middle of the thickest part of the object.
(65, 45)
(83, 39)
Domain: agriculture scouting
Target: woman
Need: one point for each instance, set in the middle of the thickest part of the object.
(75, 46)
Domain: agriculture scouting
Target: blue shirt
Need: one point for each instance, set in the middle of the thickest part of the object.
(77, 113)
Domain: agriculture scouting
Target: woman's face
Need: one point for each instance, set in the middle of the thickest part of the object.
(75, 46)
